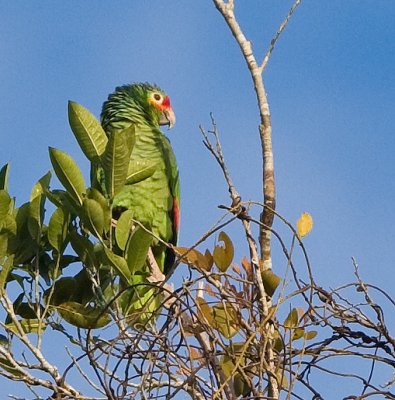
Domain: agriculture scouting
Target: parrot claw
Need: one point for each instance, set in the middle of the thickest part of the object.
(156, 274)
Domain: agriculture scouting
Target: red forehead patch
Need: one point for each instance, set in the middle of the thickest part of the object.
(166, 102)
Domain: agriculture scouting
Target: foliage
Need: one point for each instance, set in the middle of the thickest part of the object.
(232, 329)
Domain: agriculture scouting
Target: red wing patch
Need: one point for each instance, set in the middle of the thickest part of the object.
(176, 216)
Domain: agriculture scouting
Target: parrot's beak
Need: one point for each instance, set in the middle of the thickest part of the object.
(168, 117)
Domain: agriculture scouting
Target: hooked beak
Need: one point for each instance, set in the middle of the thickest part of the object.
(168, 117)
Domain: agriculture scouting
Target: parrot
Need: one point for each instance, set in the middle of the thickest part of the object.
(155, 200)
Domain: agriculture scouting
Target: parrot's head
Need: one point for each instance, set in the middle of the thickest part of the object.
(139, 103)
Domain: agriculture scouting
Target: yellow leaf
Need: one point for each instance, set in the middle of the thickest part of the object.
(205, 312)
(226, 319)
(195, 257)
(310, 335)
(223, 255)
(292, 319)
(270, 281)
(304, 224)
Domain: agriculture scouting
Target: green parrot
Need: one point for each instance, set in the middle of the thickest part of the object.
(155, 200)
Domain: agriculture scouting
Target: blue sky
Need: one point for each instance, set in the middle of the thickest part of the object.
(330, 85)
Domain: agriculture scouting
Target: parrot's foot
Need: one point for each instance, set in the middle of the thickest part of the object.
(156, 274)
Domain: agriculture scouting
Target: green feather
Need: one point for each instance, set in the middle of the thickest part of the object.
(151, 199)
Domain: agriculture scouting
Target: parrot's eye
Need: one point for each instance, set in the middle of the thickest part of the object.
(157, 96)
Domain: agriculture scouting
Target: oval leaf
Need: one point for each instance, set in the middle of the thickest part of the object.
(223, 255)
(5, 270)
(292, 319)
(115, 159)
(68, 173)
(57, 229)
(5, 202)
(137, 249)
(4, 172)
(228, 363)
(36, 216)
(195, 258)
(94, 194)
(205, 311)
(240, 386)
(140, 170)
(117, 262)
(28, 326)
(63, 291)
(304, 224)
(310, 335)
(270, 281)
(87, 130)
(297, 333)
(83, 317)
(124, 228)
(226, 319)
(41, 187)
(84, 248)
(95, 215)
(9, 367)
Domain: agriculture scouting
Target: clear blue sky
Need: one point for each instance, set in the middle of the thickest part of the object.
(330, 84)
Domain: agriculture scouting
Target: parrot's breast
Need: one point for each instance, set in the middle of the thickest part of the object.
(151, 199)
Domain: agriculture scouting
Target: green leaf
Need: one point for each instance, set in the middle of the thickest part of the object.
(21, 215)
(226, 319)
(83, 317)
(223, 255)
(310, 335)
(3, 246)
(123, 228)
(117, 262)
(55, 196)
(71, 204)
(270, 281)
(8, 225)
(4, 341)
(84, 249)
(68, 173)
(87, 130)
(25, 246)
(205, 312)
(228, 363)
(26, 311)
(5, 270)
(5, 202)
(292, 319)
(9, 367)
(28, 326)
(240, 385)
(36, 206)
(41, 187)
(62, 292)
(36, 216)
(140, 170)
(83, 287)
(137, 249)
(297, 333)
(281, 379)
(115, 159)
(8, 228)
(4, 172)
(57, 229)
(94, 194)
(141, 305)
(95, 214)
